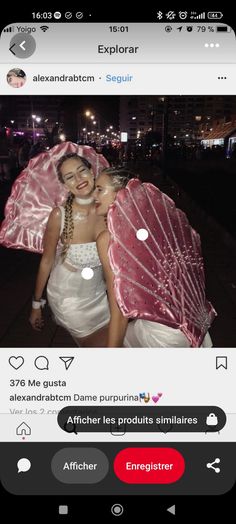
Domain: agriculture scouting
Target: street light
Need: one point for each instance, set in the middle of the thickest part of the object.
(94, 120)
(37, 119)
(86, 133)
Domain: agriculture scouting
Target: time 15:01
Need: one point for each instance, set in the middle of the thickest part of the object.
(118, 28)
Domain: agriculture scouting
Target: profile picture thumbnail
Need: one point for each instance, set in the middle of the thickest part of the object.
(16, 77)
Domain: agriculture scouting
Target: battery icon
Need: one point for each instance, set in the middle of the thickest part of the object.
(214, 15)
(222, 29)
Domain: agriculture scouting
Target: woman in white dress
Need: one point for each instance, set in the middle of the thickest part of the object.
(128, 286)
(70, 263)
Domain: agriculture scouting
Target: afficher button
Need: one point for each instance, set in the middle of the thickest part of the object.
(149, 465)
(80, 465)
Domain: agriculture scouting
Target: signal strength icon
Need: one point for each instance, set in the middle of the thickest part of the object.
(194, 16)
(9, 29)
(44, 28)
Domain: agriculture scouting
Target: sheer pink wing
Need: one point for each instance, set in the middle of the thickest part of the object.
(34, 194)
(161, 278)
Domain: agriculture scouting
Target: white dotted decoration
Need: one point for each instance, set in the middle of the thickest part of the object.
(142, 234)
(87, 273)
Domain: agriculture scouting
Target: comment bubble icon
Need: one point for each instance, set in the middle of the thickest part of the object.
(23, 465)
(41, 363)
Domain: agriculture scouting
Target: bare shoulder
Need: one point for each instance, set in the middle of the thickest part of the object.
(54, 220)
(55, 213)
(103, 239)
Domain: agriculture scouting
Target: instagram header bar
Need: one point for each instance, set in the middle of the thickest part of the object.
(114, 44)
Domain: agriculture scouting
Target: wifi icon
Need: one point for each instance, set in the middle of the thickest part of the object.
(44, 28)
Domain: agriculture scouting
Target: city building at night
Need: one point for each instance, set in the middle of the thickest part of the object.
(221, 134)
(184, 116)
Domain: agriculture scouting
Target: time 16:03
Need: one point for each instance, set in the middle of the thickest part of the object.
(118, 28)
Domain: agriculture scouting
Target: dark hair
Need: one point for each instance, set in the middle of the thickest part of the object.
(68, 156)
(21, 73)
(119, 176)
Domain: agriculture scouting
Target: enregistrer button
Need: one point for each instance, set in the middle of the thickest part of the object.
(149, 465)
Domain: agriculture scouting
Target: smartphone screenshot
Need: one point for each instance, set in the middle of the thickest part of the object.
(118, 264)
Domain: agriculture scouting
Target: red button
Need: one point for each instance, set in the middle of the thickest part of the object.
(149, 465)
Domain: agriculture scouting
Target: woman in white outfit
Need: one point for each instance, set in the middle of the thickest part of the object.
(76, 289)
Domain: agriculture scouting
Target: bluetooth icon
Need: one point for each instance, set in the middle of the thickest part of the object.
(159, 15)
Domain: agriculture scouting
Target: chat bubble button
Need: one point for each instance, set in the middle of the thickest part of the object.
(23, 465)
(41, 363)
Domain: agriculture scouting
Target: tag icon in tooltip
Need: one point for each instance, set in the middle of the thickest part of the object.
(212, 420)
(67, 361)
(16, 362)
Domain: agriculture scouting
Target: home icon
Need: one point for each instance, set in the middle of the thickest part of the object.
(23, 429)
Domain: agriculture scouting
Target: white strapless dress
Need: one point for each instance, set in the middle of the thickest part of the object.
(79, 305)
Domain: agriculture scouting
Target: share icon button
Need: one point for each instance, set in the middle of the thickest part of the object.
(67, 361)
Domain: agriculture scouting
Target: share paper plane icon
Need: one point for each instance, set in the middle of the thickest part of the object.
(67, 361)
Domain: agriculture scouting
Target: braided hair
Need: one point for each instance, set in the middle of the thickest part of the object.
(68, 229)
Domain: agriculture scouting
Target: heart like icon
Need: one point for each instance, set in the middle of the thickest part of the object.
(157, 397)
(16, 362)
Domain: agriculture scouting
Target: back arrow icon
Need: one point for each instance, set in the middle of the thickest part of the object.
(22, 45)
(12, 48)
